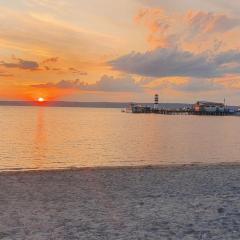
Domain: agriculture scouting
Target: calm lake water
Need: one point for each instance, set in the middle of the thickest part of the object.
(52, 138)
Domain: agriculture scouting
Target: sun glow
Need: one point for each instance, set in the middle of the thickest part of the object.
(41, 99)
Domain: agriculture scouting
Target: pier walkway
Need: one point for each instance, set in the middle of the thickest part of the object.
(183, 112)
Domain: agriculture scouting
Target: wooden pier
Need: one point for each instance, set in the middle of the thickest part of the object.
(189, 111)
(184, 112)
(199, 108)
(192, 112)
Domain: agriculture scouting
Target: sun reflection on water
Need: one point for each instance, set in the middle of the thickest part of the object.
(40, 139)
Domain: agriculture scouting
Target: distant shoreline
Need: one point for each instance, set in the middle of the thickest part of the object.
(86, 104)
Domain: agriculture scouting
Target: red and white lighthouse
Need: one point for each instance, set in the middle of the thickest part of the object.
(155, 107)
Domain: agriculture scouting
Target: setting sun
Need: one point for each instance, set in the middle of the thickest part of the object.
(41, 99)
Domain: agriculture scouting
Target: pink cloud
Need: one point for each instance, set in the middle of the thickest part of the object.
(211, 22)
(158, 24)
(168, 29)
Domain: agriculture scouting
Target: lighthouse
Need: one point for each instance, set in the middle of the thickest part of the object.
(155, 107)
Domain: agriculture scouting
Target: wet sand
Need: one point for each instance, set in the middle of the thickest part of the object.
(181, 202)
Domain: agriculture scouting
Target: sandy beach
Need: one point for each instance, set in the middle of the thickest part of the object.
(181, 202)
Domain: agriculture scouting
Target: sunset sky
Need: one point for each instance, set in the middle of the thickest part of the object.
(126, 50)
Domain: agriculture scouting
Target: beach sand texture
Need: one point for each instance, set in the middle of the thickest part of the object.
(181, 202)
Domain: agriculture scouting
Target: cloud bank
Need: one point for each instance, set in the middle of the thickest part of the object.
(105, 84)
(166, 62)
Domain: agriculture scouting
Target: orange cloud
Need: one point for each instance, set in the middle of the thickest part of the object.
(5, 74)
(192, 30)
(230, 81)
(29, 93)
(49, 94)
(157, 22)
(106, 83)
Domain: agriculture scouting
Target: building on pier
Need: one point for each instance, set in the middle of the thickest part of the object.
(209, 107)
(138, 108)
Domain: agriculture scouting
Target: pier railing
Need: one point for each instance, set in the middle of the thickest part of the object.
(182, 112)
